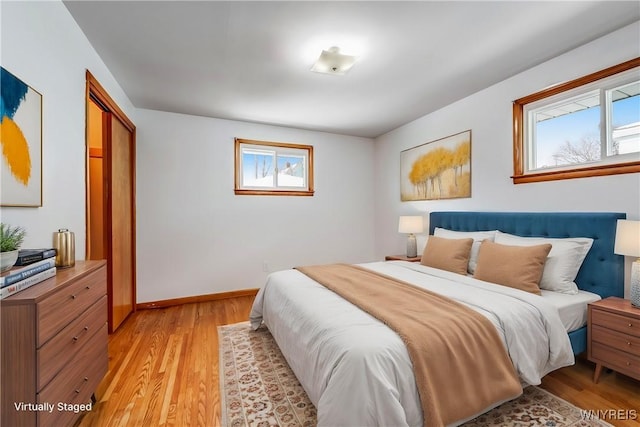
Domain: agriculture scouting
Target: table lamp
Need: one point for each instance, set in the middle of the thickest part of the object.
(410, 225)
(628, 243)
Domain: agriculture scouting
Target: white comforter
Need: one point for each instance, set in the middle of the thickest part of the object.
(357, 371)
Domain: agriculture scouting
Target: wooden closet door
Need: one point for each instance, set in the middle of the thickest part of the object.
(121, 179)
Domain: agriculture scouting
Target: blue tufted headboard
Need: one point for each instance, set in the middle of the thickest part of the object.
(602, 271)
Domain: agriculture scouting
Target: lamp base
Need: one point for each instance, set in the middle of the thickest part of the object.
(635, 284)
(412, 248)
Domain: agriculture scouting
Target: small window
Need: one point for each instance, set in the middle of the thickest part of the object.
(587, 127)
(273, 168)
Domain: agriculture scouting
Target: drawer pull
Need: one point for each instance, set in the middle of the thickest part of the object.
(85, 329)
(630, 325)
(83, 382)
(73, 296)
(628, 363)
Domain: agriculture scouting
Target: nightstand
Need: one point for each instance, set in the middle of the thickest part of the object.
(613, 327)
(402, 258)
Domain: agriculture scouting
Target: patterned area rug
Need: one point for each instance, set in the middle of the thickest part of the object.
(259, 389)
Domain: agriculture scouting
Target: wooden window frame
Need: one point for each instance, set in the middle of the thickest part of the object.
(519, 175)
(238, 188)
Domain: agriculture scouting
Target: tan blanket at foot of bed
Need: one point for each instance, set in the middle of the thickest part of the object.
(460, 364)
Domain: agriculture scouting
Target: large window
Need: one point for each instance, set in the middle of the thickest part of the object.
(273, 168)
(587, 127)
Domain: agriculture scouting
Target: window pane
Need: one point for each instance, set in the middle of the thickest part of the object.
(625, 119)
(291, 171)
(586, 127)
(567, 133)
(273, 168)
(257, 168)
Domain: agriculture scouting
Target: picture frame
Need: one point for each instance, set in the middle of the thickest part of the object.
(439, 169)
(21, 140)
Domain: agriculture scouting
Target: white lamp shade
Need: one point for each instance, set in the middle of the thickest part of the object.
(411, 224)
(627, 238)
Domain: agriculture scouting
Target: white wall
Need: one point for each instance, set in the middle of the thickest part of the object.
(196, 237)
(44, 47)
(488, 114)
(184, 176)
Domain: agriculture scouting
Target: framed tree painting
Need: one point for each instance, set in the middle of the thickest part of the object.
(21, 139)
(439, 169)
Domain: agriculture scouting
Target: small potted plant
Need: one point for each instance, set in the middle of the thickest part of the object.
(11, 239)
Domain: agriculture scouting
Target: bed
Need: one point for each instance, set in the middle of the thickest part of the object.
(357, 371)
(602, 272)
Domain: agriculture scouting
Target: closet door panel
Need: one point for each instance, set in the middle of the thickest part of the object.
(122, 229)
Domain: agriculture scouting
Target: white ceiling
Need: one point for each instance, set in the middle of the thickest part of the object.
(250, 60)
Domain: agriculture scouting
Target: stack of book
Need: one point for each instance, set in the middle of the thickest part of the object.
(33, 266)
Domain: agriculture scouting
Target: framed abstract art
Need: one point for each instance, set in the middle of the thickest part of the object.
(21, 139)
(439, 169)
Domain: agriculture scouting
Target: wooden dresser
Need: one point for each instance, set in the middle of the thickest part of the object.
(54, 347)
(614, 336)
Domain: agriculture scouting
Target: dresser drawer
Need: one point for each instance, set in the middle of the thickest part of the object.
(54, 355)
(621, 361)
(56, 312)
(616, 322)
(616, 340)
(77, 380)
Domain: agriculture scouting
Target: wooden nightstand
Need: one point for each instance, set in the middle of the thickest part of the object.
(614, 336)
(402, 258)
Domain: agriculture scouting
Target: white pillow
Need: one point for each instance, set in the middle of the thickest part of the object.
(563, 262)
(477, 236)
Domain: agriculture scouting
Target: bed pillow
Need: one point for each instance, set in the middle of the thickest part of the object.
(477, 236)
(563, 262)
(518, 267)
(447, 254)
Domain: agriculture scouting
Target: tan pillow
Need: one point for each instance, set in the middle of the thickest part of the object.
(519, 267)
(447, 254)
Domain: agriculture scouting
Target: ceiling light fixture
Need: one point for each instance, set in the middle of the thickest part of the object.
(333, 62)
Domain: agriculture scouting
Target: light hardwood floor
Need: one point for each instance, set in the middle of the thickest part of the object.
(163, 370)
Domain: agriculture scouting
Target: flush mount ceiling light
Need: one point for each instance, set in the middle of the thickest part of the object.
(333, 62)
